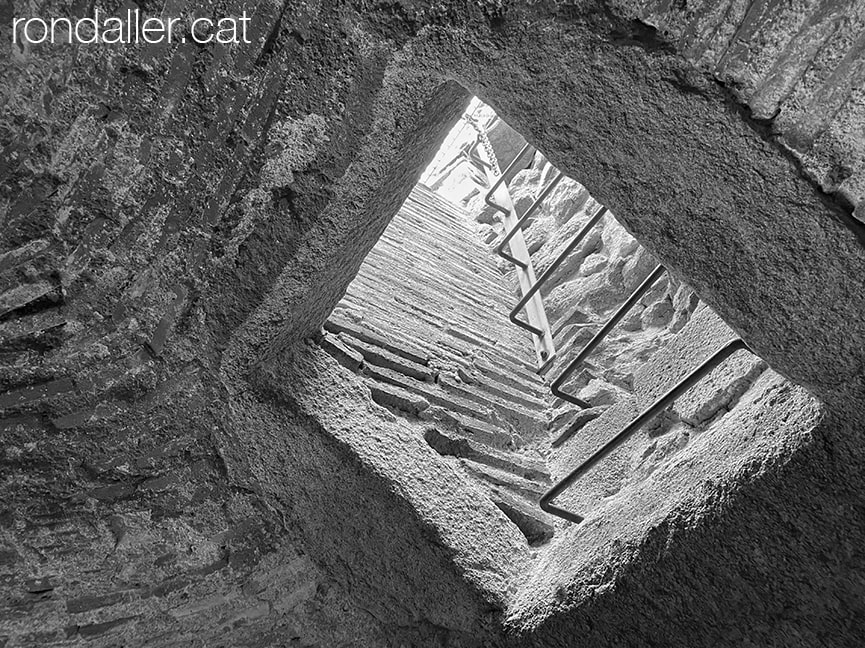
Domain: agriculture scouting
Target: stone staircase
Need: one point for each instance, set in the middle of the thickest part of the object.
(424, 323)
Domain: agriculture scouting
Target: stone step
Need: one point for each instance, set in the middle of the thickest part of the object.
(418, 329)
(453, 445)
(445, 303)
(444, 311)
(451, 348)
(477, 338)
(338, 324)
(521, 416)
(523, 371)
(394, 397)
(342, 353)
(510, 379)
(481, 431)
(384, 260)
(445, 306)
(429, 391)
(522, 397)
(517, 485)
(383, 358)
(537, 526)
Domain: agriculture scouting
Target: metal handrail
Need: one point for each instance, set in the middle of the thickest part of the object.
(488, 198)
(584, 353)
(525, 274)
(549, 271)
(500, 248)
(653, 410)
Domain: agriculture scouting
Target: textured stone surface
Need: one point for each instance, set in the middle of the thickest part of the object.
(761, 524)
(476, 553)
(146, 215)
(660, 441)
(798, 68)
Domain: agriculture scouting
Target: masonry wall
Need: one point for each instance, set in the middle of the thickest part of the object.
(150, 199)
(797, 68)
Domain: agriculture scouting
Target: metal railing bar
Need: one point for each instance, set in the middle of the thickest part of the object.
(549, 272)
(641, 290)
(488, 198)
(500, 248)
(525, 274)
(653, 410)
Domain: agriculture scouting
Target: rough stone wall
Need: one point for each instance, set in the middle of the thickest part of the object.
(796, 67)
(151, 199)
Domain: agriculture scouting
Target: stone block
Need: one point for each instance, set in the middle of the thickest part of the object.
(393, 397)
